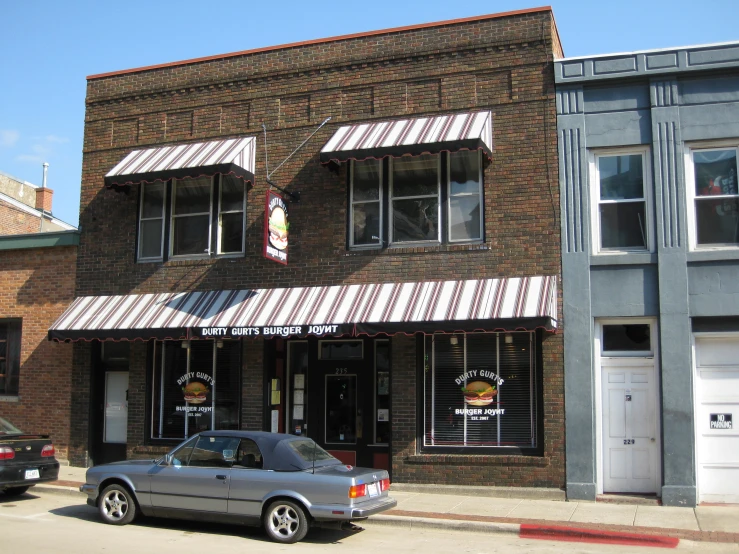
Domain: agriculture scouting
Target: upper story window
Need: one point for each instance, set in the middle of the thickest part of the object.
(192, 218)
(10, 356)
(416, 199)
(621, 203)
(713, 197)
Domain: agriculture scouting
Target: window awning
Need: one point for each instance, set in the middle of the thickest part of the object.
(231, 156)
(471, 131)
(431, 306)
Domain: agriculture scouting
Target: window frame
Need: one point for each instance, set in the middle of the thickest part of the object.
(18, 323)
(647, 199)
(141, 219)
(691, 196)
(426, 361)
(449, 199)
(352, 202)
(208, 252)
(219, 229)
(602, 323)
(156, 408)
(391, 228)
(215, 221)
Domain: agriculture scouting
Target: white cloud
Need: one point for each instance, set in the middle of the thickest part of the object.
(56, 139)
(29, 158)
(8, 137)
(40, 149)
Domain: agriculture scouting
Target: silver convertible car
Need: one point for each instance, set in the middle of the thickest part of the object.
(283, 482)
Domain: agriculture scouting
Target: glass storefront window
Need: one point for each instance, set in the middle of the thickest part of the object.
(340, 350)
(480, 391)
(382, 391)
(196, 387)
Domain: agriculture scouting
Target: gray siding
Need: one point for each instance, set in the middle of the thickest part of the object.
(661, 100)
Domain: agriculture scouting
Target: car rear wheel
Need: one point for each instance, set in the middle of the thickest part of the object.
(285, 522)
(117, 505)
(15, 491)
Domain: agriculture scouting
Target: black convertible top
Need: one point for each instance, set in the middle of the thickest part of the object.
(277, 454)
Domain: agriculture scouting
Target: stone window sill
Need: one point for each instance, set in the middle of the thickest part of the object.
(478, 459)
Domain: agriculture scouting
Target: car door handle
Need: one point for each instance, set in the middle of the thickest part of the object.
(222, 477)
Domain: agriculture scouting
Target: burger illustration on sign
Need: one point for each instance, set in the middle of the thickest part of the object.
(278, 227)
(195, 392)
(479, 393)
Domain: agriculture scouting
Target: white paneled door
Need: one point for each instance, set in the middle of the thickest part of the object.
(717, 410)
(630, 453)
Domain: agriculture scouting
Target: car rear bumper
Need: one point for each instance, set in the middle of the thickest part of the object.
(364, 510)
(14, 475)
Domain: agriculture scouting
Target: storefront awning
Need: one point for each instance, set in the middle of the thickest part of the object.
(471, 131)
(432, 306)
(232, 156)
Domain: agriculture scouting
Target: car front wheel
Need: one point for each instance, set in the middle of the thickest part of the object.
(117, 505)
(15, 491)
(285, 522)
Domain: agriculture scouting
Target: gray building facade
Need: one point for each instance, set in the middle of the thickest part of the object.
(648, 149)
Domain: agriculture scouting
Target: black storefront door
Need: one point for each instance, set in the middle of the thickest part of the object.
(109, 406)
(345, 397)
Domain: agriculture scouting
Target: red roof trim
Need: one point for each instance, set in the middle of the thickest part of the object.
(324, 40)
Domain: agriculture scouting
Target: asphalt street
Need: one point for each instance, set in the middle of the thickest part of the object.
(39, 522)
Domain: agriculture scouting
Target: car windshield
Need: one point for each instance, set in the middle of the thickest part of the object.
(309, 451)
(7, 428)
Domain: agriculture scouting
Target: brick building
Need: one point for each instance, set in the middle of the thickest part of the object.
(423, 257)
(38, 261)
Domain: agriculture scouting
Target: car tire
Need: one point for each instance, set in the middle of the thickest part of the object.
(15, 491)
(117, 505)
(285, 522)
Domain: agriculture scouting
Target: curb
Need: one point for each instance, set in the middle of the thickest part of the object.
(525, 493)
(57, 489)
(449, 524)
(524, 530)
(574, 534)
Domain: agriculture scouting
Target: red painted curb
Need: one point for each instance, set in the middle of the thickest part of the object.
(574, 534)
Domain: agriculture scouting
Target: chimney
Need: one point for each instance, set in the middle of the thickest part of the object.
(43, 199)
(43, 194)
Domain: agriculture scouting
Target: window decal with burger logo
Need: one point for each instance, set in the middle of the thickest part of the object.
(196, 388)
(479, 395)
(276, 228)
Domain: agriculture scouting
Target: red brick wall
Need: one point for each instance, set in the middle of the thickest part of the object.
(503, 65)
(14, 221)
(37, 285)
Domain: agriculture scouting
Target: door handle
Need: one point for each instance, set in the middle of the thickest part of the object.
(652, 439)
(222, 477)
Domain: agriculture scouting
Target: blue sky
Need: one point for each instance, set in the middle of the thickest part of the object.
(48, 48)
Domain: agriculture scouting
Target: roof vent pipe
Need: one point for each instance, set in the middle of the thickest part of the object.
(46, 169)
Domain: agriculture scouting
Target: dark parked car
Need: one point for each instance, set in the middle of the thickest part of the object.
(285, 483)
(25, 459)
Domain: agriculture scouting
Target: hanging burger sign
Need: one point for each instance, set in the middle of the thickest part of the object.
(276, 227)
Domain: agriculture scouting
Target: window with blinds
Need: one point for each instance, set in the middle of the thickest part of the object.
(196, 387)
(480, 390)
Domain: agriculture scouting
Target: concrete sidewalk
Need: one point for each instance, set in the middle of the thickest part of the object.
(531, 510)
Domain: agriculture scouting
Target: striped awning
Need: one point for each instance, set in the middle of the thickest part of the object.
(432, 306)
(232, 156)
(471, 131)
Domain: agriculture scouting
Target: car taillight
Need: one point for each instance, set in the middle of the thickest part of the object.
(47, 450)
(6, 453)
(385, 485)
(357, 491)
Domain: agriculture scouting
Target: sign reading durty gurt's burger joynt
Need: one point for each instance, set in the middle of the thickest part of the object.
(276, 228)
